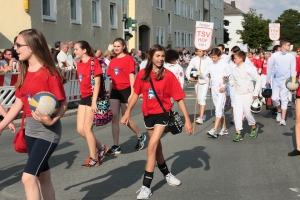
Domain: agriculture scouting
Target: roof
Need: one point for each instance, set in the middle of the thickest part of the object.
(231, 10)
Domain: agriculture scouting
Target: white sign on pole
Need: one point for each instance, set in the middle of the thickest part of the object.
(274, 31)
(203, 35)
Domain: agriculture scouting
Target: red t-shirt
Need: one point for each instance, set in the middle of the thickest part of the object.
(298, 72)
(119, 70)
(166, 88)
(84, 76)
(259, 64)
(253, 60)
(265, 67)
(39, 81)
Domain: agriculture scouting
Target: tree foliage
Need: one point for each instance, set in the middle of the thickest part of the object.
(226, 36)
(290, 26)
(255, 31)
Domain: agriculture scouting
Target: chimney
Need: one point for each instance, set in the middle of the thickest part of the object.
(233, 4)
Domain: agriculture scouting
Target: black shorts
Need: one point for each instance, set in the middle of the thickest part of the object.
(156, 119)
(39, 152)
(86, 101)
(297, 97)
(121, 95)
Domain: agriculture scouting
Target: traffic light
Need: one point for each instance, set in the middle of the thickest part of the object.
(128, 26)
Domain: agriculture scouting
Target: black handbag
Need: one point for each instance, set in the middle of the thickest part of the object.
(175, 123)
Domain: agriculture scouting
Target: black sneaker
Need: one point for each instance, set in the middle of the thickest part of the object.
(140, 142)
(114, 150)
(294, 153)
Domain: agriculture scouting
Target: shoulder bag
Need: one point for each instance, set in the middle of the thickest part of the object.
(104, 114)
(175, 124)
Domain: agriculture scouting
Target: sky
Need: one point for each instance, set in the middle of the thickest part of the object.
(270, 9)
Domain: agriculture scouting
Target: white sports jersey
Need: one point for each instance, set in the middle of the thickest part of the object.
(195, 63)
(244, 76)
(281, 66)
(177, 70)
(217, 71)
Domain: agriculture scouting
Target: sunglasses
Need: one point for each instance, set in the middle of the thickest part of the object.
(20, 45)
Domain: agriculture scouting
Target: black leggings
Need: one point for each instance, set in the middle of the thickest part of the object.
(39, 152)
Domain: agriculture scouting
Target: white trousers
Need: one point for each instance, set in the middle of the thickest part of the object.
(280, 96)
(232, 94)
(219, 100)
(242, 105)
(202, 93)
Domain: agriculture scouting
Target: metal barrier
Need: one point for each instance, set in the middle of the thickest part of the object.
(7, 89)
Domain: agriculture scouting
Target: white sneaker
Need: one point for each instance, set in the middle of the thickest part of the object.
(282, 122)
(212, 133)
(204, 118)
(199, 120)
(224, 131)
(278, 117)
(145, 193)
(172, 180)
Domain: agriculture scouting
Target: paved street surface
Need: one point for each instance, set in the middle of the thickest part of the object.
(208, 168)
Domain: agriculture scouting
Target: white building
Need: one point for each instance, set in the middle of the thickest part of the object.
(235, 18)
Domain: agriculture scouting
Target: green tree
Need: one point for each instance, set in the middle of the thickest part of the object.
(290, 26)
(255, 31)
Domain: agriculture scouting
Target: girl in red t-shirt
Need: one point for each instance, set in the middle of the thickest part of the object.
(166, 86)
(42, 133)
(121, 71)
(87, 105)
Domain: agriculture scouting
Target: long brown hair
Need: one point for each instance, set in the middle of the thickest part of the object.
(123, 43)
(160, 74)
(85, 45)
(36, 41)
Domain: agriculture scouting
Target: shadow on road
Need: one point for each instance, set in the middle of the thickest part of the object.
(117, 179)
(292, 134)
(194, 158)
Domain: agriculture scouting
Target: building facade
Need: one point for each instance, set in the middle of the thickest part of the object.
(97, 21)
(172, 22)
(166, 22)
(235, 18)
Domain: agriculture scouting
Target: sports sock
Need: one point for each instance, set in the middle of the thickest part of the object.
(163, 168)
(148, 176)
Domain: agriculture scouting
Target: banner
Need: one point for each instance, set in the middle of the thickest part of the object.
(203, 35)
(274, 31)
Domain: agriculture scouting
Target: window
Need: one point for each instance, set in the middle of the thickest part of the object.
(191, 39)
(221, 24)
(169, 24)
(75, 6)
(184, 39)
(196, 5)
(49, 10)
(211, 1)
(160, 35)
(183, 9)
(221, 4)
(216, 3)
(216, 23)
(96, 13)
(160, 4)
(113, 15)
(201, 15)
(211, 18)
(191, 12)
(177, 7)
(177, 38)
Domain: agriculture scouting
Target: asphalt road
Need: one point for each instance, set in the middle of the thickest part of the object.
(208, 168)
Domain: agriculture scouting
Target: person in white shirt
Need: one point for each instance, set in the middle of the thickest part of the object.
(171, 57)
(65, 60)
(244, 75)
(196, 66)
(217, 71)
(281, 66)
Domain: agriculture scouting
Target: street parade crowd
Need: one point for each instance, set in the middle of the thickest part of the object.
(120, 78)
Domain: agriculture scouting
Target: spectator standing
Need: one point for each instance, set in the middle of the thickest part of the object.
(65, 60)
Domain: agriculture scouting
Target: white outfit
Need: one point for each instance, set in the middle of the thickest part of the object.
(177, 70)
(143, 64)
(244, 76)
(65, 57)
(217, 71)
(203, 80)
(281, 66)
(232, 65)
